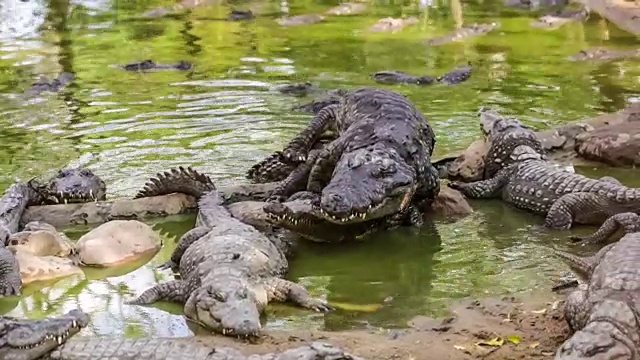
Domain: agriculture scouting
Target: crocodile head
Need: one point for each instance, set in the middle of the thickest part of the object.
(367, 183)
(598, 340)
(510, 141)
(301, 217)
(229, 308)
(75, 185)
(32, 339)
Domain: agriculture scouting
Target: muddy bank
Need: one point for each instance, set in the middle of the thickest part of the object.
(492, 328)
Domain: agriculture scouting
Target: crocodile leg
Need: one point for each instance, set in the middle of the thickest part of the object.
(611, 180)
(574, 305)
(173, 290)
(10, 281)
(298, 148)
(627, 221)
(320, 173)
(489, 188)
(185, 241)
(296, 181)
(284, 290)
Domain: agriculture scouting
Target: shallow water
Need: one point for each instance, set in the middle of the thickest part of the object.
(225, 115)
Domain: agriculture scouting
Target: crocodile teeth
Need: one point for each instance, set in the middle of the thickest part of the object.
(59, 340)
(66, 201)
(91, 193)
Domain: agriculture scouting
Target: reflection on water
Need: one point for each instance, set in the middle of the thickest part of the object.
(225, 114)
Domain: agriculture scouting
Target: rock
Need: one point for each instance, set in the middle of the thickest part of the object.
(41, 239)
(469, 166)
(116, 242)
(41, 268)
(615, 145)
(451, 203)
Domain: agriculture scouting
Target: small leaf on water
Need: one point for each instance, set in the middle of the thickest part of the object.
(534, 345)
(514, 339)
(497, 341)
(542, 311)
(459, 347)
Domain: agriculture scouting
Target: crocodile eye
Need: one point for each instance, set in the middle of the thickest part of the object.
(86, 172)
(62, 173)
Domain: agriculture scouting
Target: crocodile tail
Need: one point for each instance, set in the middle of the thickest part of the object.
(173, 290)
(581, 266)
(186, 181)
(271, 169)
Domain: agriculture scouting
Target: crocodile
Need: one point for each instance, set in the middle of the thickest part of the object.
(55, 338)
(69, 185)
(52, 85)
(151, 65)
(236, 15)
(463, 33)
(455, 76)
(380, 161)
(229, 270)
(603, 315)
(557, 18)
(527, 180)
(604, 54)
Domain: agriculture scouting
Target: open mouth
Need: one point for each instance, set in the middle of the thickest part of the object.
(16, 338)
(350, 216)
(397, 201)
(72, 197)
(290, 219)
(231, 332)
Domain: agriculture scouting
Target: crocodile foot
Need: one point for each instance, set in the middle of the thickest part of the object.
(168, 265)
(317, 305)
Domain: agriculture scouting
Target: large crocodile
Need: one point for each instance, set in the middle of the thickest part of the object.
(604, 316)
(527, 180)
(53, 339)
(379, 163)
(462, 33)
(69, 185)
(230, 271)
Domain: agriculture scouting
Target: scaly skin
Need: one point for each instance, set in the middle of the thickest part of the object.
(462, 33)
(53, 339)
(229, 270)
(457, 75)
(69, 185)
(530, 182)
(151, 65)
(380, 161)
(33, 339)
(101, 348)
(604, 54)
(45, 84)
(399, 77)
(604, 316)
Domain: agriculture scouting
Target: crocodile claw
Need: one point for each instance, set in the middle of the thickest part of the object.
(318, 305)
(294, 156)
(167, 265)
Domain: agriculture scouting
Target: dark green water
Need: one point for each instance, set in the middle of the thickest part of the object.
(225, 115)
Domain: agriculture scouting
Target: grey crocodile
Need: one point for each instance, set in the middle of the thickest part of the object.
(527, 180)
(236, 15)
(69, 185)
(465, 32)
(229, 270)
(53, 339)
(604, 315)
(151, 65)
(380, 161)
(52, 85)
(604, 54)
(454, 76)
(559, 17)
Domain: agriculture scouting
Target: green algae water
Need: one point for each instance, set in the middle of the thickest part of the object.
(224, 115)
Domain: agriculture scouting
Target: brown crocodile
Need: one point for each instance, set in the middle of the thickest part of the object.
(465, 32)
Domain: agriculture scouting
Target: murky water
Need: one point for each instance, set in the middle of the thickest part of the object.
(224, 115)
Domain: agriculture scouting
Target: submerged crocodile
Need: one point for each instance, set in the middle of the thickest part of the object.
(53, 339)
(463, 33)
(229, 270)
(454, 76)
(151, 65)
(604, 54)
(53, 85)
(380, 161)
(557, 18)
(69, 185)
(604, 316)
(526, 179)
